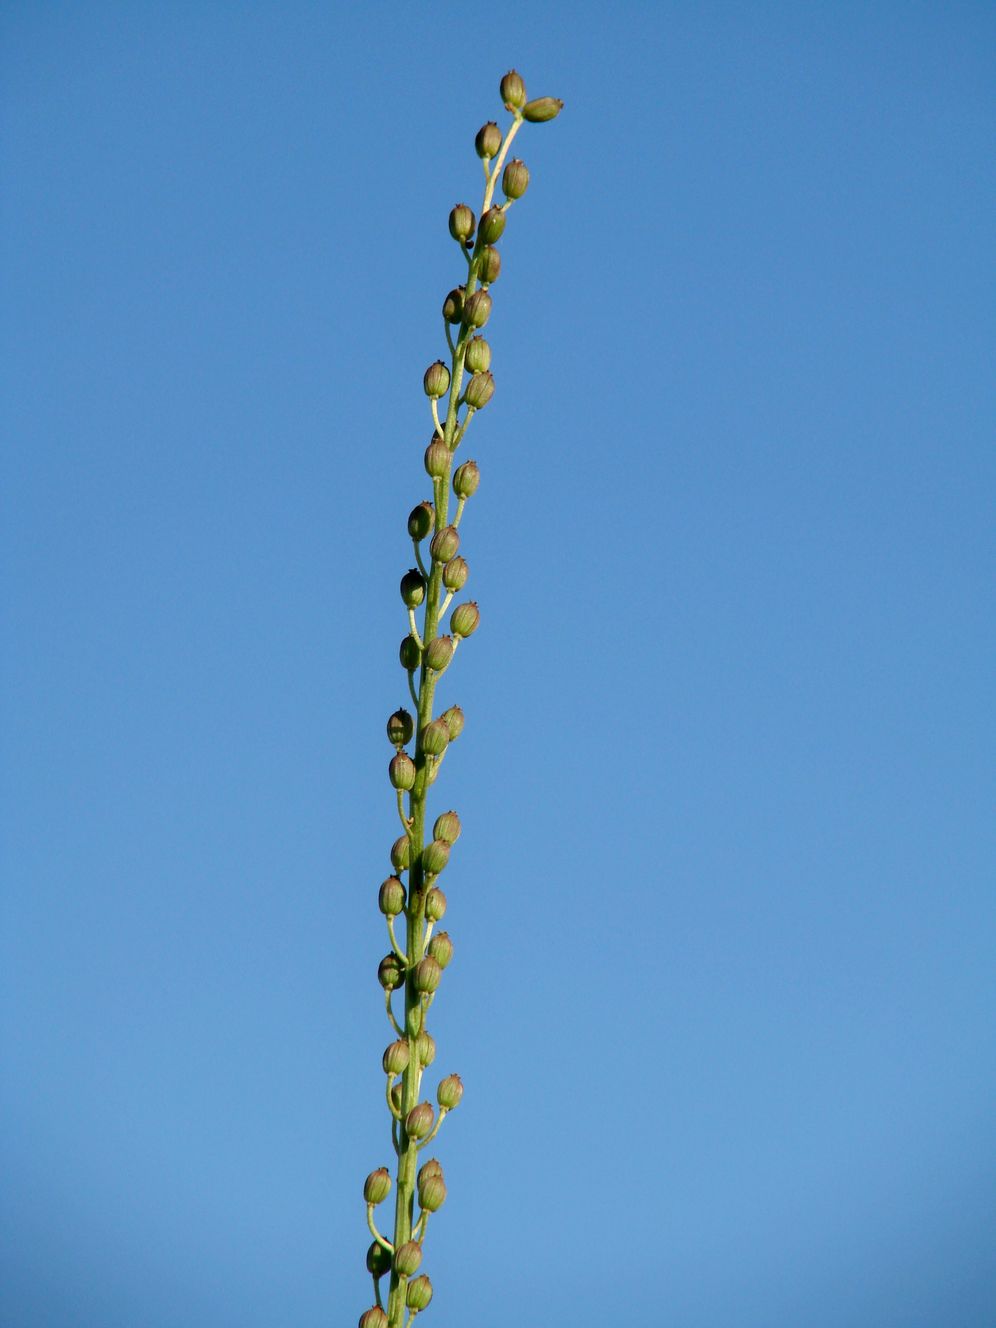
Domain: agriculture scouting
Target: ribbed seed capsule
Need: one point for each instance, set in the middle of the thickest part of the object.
(447, 827)
(374, 1317)
(378, 1260)
(512, 90)
(455, 574)
(413, 588)
(462, 222)
(435, 856)
(454, 720)
(420, 1120)
(377, 1186)
(436, 379)
(439, 652)
(435, 737)
(441, 948)
(478, 355)
(515, 179)
(400, 727)
(466, 478)
(431, 1168)
(477, 309)
(464, 619)
(480, 390)
(449, 1092)
(489, 265)
(421, 519)
(427, 975)
(425, 1046)
(396, 1056)
(453, 305)
(419, 1293)
(492, 227)
(391, 897)
(435, 904)
(390, 974)
(409, 654)
(401, 849)
(402, 771)
(407, 1258)
(444, 544)
(437, 459)
(543, 108)
(488, 140)
(432, 1192)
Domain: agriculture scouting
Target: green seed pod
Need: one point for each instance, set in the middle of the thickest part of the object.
(391, 897)
(435, 856)
(432, 1193)
(407, 1258)
(447, 826)
(477, 310)
(396, 1057)
(374, 1317)
(402, 771)
(435, 904)
(435, 737)
(413, 588)
(397, 1098)
(489, 265)
(437, 459)
(543, 108)
(419, 1293)
(455, 574)
(427, 975)
(454, 719)
(488, 140)
(453, 305)
(409, 654)
(436, 379)
(444, 544)
(464, 619)
(466, 478)
(377, 1186)
(439, 652)
(478, 355)
(421, 519)
(401, 849)
(378, 1260)
(462, 222)
(480, 390)
(512, 90)
(390, 974)
(420, 1120)
(441, 948)
(425, 1046)
(492, 228)
(431, 1168)
(449, 1092)
(515, 180)
(400, 727)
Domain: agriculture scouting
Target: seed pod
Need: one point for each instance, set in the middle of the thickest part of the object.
(439, 652)
(435, 904)
(455, 574)
(378, 1260)
(464, 619)
(400, 727)
(391, 897)
(431, 1168)
(489, 265)
(425, 1046)
(436, 379)
(437, 459)
(374, 1317)
(454, 718)
(407, 1258)
(402, 771)
(462, 222)
(413, 588)
(444, 544)
(409, 654)
(478, 356)
(435, 856)
(421, 519)
(435, 737)
(477, 309)
(492, 227)
(401, 851)
(377, 1186)
(466, 478)
(453, 305)
(427, 975)
(488, 140)
(432, 1193)
(441, 948)
(396, 1057)
(449, 1092)
(390, 974)
(397, 1098)
(419, 1293)
(420, 1120)
(447, 826)
(515, 179)
(512, 90)
(480, 390)
(543, 108)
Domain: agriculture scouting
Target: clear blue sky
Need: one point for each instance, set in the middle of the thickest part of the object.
(723, 906)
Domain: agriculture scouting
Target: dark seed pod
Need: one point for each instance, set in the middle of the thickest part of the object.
(453, 305)
(420, 1120)
(449, 1092)
(489, 266)
(477, 309)
(543, 108)
(435, 904)
(447, 826)
(390, 974)
(512, 90)
(419, 1293)
(402, 771)
(427, 974)
(396, 1057)
(401, 851)
(425, 1046)
(391, 897)
(378, 1260)
(478, 356)
(436, 379)
(515, 179)
(439, 652)
(407, 1258)
(435, 737)
(462, 222)
(444, 544)
(400, 727)
(421, 520)
(377, 1186)
(454, 719)
(437, 459)
(409, 654)
(435, 856)
(397, 1098)
(466, 478)
(492, 227)
(441, 948)
(488, 140)
(413, 588)
(464, 619)
(480, 390)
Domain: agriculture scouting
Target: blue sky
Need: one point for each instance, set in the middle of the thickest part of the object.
(723, 906)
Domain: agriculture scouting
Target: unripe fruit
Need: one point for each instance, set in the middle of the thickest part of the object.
(543, 108)
(480, 390)
(391, 898)
(407, 1258)
(478, 355)
(425, 1046)
(454, 719)
(402, 771)
(396, 1057)
(441, 948)
(431, 1168)
(464, 619)
(377, 1186)
(439, 652)
(435, 856)
(401, 850)
(435, 904)
(455, 574)
(378, 1260)
(421, 520)
(419, 1293)
(437, 459)
(488, 140)
(466, 478)
(436, 379)
(515, 179)
(397, 1098)
(447, 827)
(489, 265)
(449, 1092)
(432, 1192)
(413, 588)
(444, 544)
(409, 654)
(477, 310)
(400, 727)
(435, 737)
(374, 1317)
(390, 974)
(428, 975)
(420, 1120)
(462, 222)
(453, 305)
(492, 227)
(512, 90)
